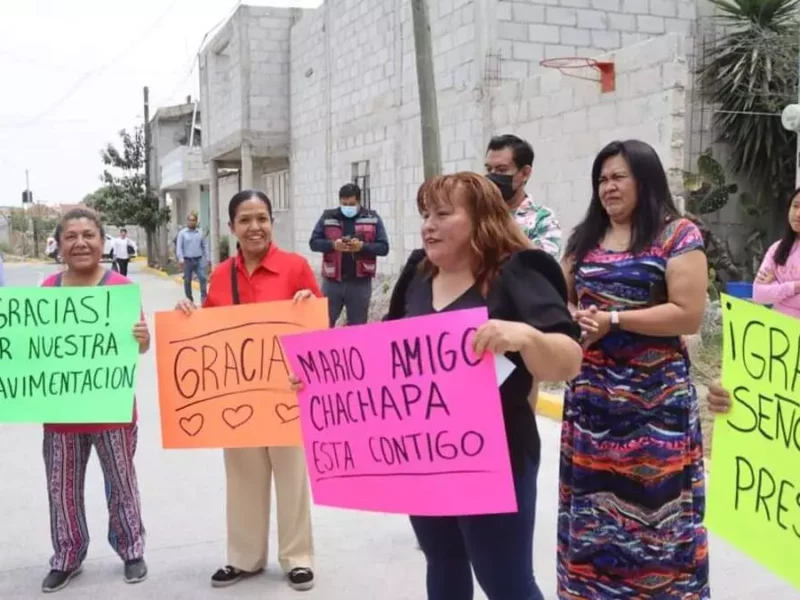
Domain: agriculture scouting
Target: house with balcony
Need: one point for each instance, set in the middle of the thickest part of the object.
(177, 171)
(244, 91)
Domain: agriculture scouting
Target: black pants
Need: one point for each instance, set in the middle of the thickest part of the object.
(122, 265)
(498, 548)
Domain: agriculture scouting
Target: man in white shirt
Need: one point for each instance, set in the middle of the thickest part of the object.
(52, 248)
(123, 251)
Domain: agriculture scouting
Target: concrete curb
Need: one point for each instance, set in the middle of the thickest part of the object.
(155, 271)
(176, 278)
(43, 261)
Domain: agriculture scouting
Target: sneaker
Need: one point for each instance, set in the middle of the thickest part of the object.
(58, 580)
(135, 570)
(301, 579)
(229, 575)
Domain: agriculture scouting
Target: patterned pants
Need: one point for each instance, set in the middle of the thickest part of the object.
(65, 457)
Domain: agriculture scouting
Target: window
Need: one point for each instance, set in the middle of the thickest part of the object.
(360, 171)
(276, 186)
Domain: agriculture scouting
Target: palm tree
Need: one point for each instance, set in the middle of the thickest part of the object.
(751, 74)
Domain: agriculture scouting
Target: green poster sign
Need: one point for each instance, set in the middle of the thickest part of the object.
(754, 483)
(67, 354)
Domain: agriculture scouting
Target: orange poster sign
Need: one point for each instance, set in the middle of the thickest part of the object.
(222, 376)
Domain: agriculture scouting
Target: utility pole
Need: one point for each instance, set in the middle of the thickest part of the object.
(797, 156)
(27, 195)
(32, 213)
(790, 119)
(428, 107)
(147, 190)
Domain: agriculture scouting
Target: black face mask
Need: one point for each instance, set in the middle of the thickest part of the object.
(505, 183)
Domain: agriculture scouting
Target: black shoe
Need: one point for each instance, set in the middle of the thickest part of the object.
(229, 575)
(301, 579)
(135, 570)
(58, 580)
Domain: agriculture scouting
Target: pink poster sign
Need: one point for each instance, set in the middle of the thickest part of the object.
(402, 417)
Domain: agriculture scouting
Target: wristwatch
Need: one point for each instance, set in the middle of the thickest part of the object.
(614, 320)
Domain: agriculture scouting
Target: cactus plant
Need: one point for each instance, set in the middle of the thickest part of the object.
(707, 190)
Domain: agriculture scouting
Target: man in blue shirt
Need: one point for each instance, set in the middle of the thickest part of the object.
(350, 238)
(192, 251)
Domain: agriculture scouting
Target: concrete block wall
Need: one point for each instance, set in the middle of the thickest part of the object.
(165, 136)
(310, 124)
(221, 89)
(569, 120)
(531, 30)
(228, 186)
(265, 71)
(244, 84)
(524, 32)
(354, 98)
(183, 203)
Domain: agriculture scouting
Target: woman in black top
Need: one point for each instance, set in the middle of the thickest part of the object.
(475, 255)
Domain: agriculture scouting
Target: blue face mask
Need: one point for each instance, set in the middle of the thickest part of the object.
(349, 211)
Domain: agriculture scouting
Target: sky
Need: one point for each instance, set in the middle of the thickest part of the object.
(72, 76)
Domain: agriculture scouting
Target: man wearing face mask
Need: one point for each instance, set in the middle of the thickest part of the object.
(350, 239)
(509, 162)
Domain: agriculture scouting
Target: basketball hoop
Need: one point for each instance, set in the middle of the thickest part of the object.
(569, 64)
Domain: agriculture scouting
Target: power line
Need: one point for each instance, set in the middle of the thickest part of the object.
(32, 61)
(147, 32)
(196, 58)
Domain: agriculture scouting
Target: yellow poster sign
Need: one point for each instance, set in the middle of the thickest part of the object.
(754, 484)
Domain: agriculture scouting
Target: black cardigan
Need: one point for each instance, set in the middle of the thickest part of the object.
(530, 288)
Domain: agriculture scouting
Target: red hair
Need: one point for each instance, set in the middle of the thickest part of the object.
(494, 237)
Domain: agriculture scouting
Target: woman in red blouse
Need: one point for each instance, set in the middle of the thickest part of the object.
(262, 272)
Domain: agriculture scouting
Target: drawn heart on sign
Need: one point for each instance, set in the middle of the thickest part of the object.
(236, 417)
(191, 425)
(287, 413)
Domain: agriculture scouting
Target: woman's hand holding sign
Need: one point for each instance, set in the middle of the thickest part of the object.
(185, 306)
(719, 400)
(301, 295)
(295, 383)
(499, 337)
(142, 335)
(547, 356)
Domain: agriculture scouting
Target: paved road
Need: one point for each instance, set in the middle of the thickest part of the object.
(359, 556)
